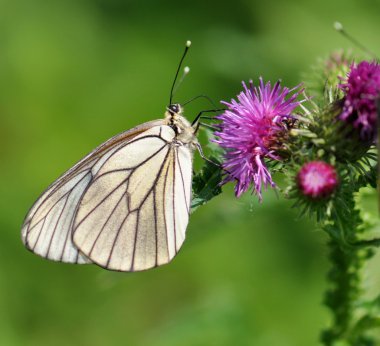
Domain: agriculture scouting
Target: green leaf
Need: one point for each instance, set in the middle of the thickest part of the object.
(206, 184)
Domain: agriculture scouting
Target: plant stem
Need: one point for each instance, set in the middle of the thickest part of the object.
(343, 293)
(343, 298)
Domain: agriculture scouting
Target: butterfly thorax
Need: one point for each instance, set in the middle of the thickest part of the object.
(185, 132)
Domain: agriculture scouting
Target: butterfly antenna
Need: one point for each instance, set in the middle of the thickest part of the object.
(339, 27)
(188, 44)
(200, 96)
(186, 71)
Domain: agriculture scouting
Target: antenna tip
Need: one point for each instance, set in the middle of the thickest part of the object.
(188, 43)
(338, 26)
(186, 70)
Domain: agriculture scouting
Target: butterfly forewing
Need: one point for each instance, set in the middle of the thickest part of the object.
(134, 214)
(47, 229)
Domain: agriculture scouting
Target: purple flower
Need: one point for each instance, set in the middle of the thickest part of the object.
(253, 129)
(317, 179)
(362, 89)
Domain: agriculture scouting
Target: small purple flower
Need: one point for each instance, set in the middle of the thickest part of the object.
(362, 90)
(252, 129)
(317, 179)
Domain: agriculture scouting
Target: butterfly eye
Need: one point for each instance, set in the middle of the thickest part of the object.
(174, 108)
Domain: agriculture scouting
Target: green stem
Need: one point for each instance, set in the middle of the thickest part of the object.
(347, 256)
(343, 294)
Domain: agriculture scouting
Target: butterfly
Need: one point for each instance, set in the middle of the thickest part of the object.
(126, 205)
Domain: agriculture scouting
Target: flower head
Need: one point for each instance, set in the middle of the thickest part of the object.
(253, 129)
(362, 90)
(317, 179)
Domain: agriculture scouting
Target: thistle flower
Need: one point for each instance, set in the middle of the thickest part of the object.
(317, 179)
(253, 129)
(362, 90)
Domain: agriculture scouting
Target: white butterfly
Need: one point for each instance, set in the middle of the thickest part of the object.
(125, 206)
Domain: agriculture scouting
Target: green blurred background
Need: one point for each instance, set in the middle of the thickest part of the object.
(75, 72)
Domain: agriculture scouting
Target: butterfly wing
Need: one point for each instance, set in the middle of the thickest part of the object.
(47, 229)
(133, 216)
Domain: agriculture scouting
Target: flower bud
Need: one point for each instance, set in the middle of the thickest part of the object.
(317, 179)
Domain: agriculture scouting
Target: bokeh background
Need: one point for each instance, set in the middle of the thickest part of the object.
(75, 72)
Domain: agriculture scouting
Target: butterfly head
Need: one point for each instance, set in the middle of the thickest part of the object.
(174, 109)
(185, 133)
(173, 113)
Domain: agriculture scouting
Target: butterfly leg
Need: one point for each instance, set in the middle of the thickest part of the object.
(206, 111)
(208, 126)
(200, 150)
